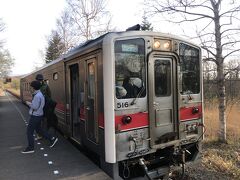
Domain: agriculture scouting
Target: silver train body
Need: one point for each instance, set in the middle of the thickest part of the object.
(133, 98)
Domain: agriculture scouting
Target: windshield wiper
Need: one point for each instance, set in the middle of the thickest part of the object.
(138, 95)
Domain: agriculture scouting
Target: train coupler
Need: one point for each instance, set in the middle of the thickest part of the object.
(180, 157)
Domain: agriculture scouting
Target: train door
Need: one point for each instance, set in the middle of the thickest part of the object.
(162, 101)
(91, 100)
(74, 91)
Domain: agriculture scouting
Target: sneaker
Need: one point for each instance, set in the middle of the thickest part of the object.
(28, 151)
(53, 142)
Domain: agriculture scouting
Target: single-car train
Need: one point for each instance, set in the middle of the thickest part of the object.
(133, 98)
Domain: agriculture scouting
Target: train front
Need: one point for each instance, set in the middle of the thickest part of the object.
(157, 106)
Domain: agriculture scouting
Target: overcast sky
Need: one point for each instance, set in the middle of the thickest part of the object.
(29, 22)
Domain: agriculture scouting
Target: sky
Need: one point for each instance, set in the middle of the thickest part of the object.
(29, 22)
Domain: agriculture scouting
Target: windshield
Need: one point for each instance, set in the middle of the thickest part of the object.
(190, 69)
(130, 68)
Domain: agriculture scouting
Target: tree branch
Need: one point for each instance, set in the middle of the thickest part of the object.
(231, 70)
(209, 60)
(230, 42)
(209, 51)
(233, 10)
(171, 8)
(232, 29)
(236, 50)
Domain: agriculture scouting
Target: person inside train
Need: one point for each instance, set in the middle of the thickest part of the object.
(120, 92)
(132, 86)
(36, 117)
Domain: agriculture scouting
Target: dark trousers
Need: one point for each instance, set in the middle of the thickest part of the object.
(35, 124)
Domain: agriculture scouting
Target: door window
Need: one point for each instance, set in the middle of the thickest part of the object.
(162, 78)
(91, 80)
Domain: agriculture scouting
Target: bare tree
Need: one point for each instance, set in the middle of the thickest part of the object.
(66, 31)
(90, 17)
(218, 31)
(6, 63)
(2, 27)
(233, 69)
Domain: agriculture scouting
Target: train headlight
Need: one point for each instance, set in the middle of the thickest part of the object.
(195, 110)
(156, 44)
(166, 45)
(162, 44)
(126, 119)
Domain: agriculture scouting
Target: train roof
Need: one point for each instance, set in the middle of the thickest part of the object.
(112, 35)
(85, 45)
(93, 42)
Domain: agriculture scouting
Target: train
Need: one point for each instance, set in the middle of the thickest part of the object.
(133, 98)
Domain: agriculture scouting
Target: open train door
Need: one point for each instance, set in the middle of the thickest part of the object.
(74, 92)
(162, 87)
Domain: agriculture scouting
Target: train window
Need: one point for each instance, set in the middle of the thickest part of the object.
(190, 69)
(162, 78)
(130, 68)
(91, 80)
(55, 76)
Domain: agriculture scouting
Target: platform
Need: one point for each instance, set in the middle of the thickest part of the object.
(63, 161)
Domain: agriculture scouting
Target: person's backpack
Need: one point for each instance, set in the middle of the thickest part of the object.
(52, 121)
(49, 106)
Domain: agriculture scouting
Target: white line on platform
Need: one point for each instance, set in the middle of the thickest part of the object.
(23, 118)
(56, 172)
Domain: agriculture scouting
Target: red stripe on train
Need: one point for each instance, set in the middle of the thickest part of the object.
(141, 119)
(190, 113)
(138, 120)
(60, 106)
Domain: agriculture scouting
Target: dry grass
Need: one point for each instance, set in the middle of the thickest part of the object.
(222, 158)
(212, 123)
(1, 92)
(220, 161)
(14, 91)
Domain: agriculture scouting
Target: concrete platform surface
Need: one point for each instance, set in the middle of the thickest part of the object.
(63, 161)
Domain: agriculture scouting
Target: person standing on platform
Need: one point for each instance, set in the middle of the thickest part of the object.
(36, 116)
(44, 87)
(50, 105)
